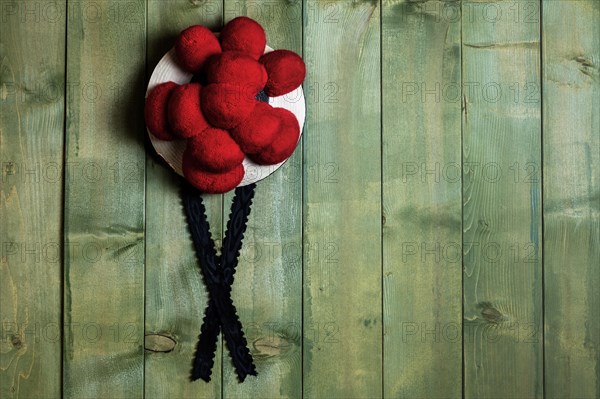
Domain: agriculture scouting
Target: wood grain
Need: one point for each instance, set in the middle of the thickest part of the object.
(365, 218)
(571, 54)
(502, 200)
(422, 200)
(104, 200)
(32, 82)
(175, 294)
(342, 201)
(268, 286)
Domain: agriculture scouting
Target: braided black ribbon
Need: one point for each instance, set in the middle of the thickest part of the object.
(218, 272)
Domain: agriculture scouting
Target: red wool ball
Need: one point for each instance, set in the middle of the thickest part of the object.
(236, 67)
(214, 150)
(286, 72)
(156, 111)
(208, 182)
(285, 142)
(185, 115)
(227, 105)
(258, 131)
(244, 34)
(194, 46)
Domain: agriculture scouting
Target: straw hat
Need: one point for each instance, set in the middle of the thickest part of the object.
(217, 67)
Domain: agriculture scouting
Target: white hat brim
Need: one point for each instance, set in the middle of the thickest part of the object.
(172, 151)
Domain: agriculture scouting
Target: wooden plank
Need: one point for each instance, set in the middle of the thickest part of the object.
(104, 200)
(342, 201)
(175, 295)
(501, 197)
(32, 82)
(571, 131)
(421, 93)
(268, 285)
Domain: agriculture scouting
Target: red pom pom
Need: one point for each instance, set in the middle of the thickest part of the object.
(212, 183)
(214, 150)
(259, 130)
(285, 142)
(286, 72)
(227, 105)
(236, 67)
(156, 111)
(244, 34)
(185, 115)
(194, 46)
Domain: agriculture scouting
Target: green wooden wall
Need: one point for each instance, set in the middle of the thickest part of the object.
(435, 235)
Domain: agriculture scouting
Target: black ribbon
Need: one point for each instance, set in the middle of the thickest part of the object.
(218, 272)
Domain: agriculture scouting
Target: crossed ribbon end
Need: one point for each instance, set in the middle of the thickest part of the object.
(218, 272)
